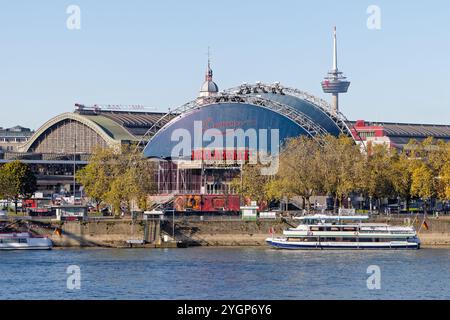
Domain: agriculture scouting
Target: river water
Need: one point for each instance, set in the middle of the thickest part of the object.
(224, 273)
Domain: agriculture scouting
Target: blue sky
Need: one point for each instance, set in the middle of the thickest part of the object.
(153, 53)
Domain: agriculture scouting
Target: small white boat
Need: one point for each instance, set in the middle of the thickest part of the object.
(345, 232)
(24, 241)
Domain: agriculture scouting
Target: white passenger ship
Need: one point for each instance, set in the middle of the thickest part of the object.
(345, 232)
(24, 241)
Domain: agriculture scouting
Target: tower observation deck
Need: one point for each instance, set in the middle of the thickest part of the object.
(335, 82)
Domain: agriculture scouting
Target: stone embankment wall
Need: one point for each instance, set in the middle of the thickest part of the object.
(249, 233)
(112, 233)
(220, 232)
(225, 233)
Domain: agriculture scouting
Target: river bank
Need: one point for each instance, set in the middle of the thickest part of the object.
(220, 232)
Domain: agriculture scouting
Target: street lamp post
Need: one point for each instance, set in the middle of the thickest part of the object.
(74, 163)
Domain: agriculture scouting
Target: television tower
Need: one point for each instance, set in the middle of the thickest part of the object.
(335, 82)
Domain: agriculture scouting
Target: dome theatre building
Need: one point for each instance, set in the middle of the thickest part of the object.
(202, 145)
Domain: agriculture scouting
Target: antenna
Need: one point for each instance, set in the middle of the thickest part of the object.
(209, 73)
(335, 68)
(209, 57)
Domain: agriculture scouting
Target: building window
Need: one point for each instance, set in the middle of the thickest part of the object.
(366, 134)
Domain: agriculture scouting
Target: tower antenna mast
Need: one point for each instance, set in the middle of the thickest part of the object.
(335, 82)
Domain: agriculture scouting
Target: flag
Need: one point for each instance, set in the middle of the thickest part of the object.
(58, 232)
(271, 230)
(425, 224)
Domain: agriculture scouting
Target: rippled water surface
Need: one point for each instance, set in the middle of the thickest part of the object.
(224, 273)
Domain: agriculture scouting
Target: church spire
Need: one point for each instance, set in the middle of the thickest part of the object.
(209, 87)
(209, 72)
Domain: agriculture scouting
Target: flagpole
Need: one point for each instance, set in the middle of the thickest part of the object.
(423, 222)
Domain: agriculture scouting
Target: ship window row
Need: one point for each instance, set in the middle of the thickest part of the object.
(333, 228)
(354, 229)
(340, 239)
(19, 240)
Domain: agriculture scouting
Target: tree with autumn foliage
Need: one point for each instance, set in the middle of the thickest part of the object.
(119, 178)
(401, 176)
(310, 167)
(341, 168)
(297, 173)
(252, 184)
(336, 167)
(429, 165)
(17, 181)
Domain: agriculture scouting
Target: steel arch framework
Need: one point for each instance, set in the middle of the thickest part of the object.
(251, 94)
(312, 128)
(254, 89)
